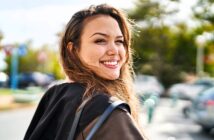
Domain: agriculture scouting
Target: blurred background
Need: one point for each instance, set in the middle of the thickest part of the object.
(173, 44)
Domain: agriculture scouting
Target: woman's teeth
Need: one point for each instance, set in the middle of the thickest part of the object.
(110, 62)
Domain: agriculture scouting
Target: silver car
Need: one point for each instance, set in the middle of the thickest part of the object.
(148, 84)
(202, 109)
(190, 90)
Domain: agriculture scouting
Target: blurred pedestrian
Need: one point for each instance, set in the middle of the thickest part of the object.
(96, 57)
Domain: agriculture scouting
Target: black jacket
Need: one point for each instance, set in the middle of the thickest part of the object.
(55, 114)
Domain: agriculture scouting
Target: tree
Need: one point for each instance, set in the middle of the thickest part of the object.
(152, 43)
(203, 11)
(161, 49)
(204, 14)
(32, 61)
(1, 36)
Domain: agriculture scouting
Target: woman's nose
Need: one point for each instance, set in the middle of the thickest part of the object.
(112, 49)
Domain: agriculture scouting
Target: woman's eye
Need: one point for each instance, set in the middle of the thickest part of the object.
(100, 41)
(119, 42)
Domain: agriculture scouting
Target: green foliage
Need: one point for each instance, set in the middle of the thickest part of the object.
(203, 10)
(161, 50)
(1, 36)
(28, 62)
(54, 65)
(145, 9)
(184, 55)
(209, 58)
(44, 60)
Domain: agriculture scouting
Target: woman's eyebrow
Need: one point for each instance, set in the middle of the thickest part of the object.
(106, 35)
(99, 33)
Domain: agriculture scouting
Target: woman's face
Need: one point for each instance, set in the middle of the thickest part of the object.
(102, 46)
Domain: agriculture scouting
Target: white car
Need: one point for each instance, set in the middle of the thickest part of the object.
(202, 109)
(190, 90)
(147, 84)
(3, 79)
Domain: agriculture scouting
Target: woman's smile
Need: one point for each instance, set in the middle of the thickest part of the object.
(112, 64)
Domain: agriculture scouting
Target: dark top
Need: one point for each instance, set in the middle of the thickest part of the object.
(55, 113)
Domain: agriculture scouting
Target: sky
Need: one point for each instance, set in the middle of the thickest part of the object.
(40, 20)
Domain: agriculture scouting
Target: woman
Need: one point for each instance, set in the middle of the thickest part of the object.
(96, 57)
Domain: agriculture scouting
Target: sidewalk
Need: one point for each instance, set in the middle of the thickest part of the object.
(10, 102)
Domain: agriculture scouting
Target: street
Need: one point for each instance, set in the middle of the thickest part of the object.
(14, 123)
(168, 124)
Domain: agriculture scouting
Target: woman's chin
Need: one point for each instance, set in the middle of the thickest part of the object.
(111, 77)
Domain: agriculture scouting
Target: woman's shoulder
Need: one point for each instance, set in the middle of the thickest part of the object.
(63, 93)
(65, 88)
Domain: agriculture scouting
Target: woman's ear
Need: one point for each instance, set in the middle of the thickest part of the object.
(70, 46)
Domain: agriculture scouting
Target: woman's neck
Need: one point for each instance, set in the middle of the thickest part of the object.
(69, 80)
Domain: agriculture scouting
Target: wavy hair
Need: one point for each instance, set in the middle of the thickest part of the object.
(77, 71)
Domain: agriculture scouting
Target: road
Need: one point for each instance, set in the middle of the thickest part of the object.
(14, 123)
(168, 124)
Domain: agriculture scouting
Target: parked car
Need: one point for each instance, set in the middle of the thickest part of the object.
(3, 79)
(148, 84)
(202, 110)
(190, 91)
(34, 79)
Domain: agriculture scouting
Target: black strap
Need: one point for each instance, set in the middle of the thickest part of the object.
(104, 116)
(77, 118)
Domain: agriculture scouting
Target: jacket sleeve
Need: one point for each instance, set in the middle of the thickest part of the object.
(38, 114)
(119, 126)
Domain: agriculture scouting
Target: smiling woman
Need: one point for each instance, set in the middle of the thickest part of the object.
(96, 57)
(102, 48)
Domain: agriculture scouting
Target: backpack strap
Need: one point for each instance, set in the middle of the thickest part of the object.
(116, 104)
(77, 118)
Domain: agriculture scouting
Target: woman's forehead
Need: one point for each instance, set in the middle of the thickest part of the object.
(101, 24)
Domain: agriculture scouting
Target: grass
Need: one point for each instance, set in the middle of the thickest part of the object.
(7, 91)
(12, 99)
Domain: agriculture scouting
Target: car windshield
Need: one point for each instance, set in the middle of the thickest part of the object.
(208, 94)
(206, 82)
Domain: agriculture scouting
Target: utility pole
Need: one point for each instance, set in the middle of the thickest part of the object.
(16, 52)
(200, 40)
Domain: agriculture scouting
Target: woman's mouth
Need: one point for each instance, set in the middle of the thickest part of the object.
(110, 64)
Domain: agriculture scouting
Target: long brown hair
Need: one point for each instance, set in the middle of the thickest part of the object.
(76, 71)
